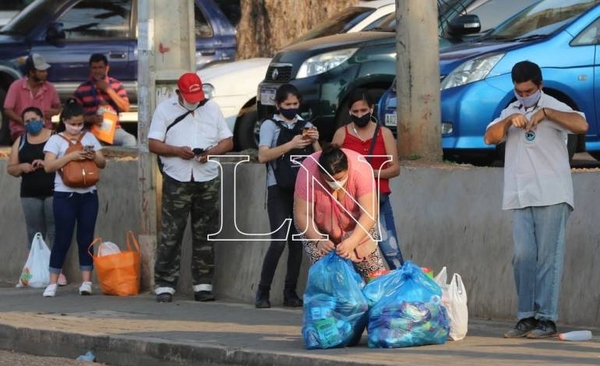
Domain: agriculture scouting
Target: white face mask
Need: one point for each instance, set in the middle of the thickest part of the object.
(337, 184)
(189, 106)
(529, 101)
(73, 130)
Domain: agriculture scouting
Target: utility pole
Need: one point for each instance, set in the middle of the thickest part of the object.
(418, 80)
(166, 49)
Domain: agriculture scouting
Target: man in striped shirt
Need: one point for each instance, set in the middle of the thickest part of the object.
(102, 93)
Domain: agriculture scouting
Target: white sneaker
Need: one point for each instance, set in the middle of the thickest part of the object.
(50, 291)
(85, 288)
(62, 280)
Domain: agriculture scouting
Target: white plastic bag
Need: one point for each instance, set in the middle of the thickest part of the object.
(454, 299)
(35, 272)
(108, 248)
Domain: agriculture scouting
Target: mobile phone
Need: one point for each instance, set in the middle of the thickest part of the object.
(305, 131)
(198, 151)
(88, 148)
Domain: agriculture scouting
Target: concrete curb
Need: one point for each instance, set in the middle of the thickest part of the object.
(126, 351)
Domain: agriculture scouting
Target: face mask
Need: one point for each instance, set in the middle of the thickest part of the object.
(529, 101)
(73, 130)
(289, 113)
(337, 184)
(189, 106)
(361, 121)
(34, 127)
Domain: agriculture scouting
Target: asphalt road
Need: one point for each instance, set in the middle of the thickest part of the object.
(8, 358)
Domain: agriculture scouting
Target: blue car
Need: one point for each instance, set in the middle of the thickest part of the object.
(561, 36)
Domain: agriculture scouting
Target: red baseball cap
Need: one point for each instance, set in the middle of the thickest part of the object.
(190, 87)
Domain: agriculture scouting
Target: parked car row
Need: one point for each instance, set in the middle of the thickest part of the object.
(66, 32)
(327, 70)
(233, 85)
(562, 36)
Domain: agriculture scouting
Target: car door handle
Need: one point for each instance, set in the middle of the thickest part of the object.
(208, 53)
(118, 55)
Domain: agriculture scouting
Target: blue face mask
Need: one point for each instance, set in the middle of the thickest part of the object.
(529, 101)
(34, 127)
(289, 113)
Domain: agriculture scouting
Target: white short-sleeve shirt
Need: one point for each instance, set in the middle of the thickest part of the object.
(58, 146)
(204, 128)
(536, 165)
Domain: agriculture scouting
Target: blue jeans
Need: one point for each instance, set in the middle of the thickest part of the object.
(389, 245)
(539, 245)
(71, 208)
(124, 138)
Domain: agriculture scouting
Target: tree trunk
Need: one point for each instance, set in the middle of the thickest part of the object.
(269, 25)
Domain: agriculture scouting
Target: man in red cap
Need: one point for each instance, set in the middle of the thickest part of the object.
(185, 130)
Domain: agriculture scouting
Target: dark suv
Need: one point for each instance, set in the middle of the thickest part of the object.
(67, 32)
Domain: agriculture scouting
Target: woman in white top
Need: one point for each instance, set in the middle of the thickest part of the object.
(72, 205)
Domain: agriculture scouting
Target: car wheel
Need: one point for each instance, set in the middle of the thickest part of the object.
(4, 130)
(247, 130)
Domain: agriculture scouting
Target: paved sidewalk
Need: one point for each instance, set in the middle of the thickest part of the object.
(139, 331)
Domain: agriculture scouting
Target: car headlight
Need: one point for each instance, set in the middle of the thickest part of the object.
(324, 62)
(209, 90)
(471, 71)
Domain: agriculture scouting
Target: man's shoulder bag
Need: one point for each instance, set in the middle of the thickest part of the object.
(176, 121)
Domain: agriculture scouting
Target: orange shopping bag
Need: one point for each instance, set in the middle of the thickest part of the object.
(106, 131)
(118, 274)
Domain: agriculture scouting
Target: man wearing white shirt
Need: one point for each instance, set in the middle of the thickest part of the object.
(539, 190)
(185, 130)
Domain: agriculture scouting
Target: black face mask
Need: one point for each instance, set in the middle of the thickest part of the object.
(289, 113)
(361, 121)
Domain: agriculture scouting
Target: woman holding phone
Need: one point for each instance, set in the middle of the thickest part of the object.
(281, 136)
(72, 206)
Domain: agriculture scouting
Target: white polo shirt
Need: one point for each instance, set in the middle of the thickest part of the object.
(536, 165)
(204, 128)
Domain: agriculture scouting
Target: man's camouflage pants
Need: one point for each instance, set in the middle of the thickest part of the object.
(201, 200)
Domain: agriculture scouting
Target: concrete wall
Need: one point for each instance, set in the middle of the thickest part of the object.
(445, 216)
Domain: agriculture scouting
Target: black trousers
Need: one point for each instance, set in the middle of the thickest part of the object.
(280, 206)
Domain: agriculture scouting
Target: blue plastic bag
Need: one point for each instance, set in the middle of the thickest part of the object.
(406, 309)
(335, 309)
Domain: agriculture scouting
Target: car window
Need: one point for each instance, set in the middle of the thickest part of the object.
(340, 23)
(95, 19)
(590, 36)
(493, 12)
(447, 10)
(25, 21)
(203, 28)
(541, 19)
(15, 5)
